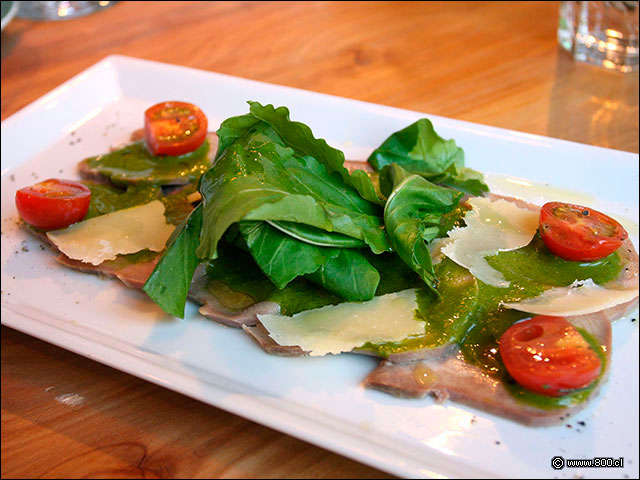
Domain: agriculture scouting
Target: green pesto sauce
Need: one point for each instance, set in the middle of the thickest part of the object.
(470, 312)
(531, 270)
(452, 219)
(534, 264)
(106, 198)
(446, 318)
(177, 207)
(135, 164)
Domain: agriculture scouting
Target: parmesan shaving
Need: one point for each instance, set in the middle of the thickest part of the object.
(580, 298)
(341, 328)
(105, 237)
(491, 227)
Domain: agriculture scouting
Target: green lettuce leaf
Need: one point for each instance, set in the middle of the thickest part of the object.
(349, 274)
(412, 217)
(279, 256)
(258, 178)
(420, 150)
(345, 272)
(300, 138)
(168, 285)
(316, 236)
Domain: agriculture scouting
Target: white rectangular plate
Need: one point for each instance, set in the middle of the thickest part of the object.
(319, 400)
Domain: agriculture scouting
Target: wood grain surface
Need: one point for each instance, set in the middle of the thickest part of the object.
(494, 63)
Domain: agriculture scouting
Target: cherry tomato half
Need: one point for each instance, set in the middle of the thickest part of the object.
(547, 355)
(53, 203)
(579, 233)
(174, 128)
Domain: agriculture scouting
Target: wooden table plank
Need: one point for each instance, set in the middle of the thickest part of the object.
(495, 63)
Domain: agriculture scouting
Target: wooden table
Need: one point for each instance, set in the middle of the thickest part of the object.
(491, 63)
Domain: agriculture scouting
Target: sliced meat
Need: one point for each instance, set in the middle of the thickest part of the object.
(452, 378)
(424, 354)
(269, 345)
(201, 292)
(89, 173)
(133, 275)
(628, 278)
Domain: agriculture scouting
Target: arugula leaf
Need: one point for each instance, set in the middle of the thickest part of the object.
(282, 258)
(300, 137)
(348, 274)
(168, 284)
(279, 256)
(316, 236)
(257, 178)
(420, 150)
(412, 217)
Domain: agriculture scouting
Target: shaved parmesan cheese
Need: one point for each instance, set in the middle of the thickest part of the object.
(580, 298)
(343, 327)
(124, 231)
(491, 227)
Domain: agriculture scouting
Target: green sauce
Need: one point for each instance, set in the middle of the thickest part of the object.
(135, 164)
(454, 218)
(531, 270)
(471, 314)
(106, 198)
(534, 264)
(142, 256)
(177, 207)
(446, 318)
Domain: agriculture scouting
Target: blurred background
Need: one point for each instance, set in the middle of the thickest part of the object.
(495, 63)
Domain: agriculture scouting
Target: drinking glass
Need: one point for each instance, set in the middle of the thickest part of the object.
(59, 10)
(601, 33)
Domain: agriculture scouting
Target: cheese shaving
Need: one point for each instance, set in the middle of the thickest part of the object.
(341, 328)
(105, 237)
(580, 298)
(491, 227)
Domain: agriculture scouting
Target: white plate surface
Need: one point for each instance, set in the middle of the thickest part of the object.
(319, 400)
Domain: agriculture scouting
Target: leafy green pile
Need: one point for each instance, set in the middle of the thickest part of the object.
(286, 198)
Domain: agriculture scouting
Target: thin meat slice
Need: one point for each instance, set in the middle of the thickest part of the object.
(454, 379)
(132, 274)
(201, 291)
(261, 335)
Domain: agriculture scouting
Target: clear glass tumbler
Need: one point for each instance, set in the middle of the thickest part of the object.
(601, 33)
(59, 10)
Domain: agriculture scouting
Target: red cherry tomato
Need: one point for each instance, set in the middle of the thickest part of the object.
(547, 355)
(53, 203)
(579, 233)
(174, 128)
